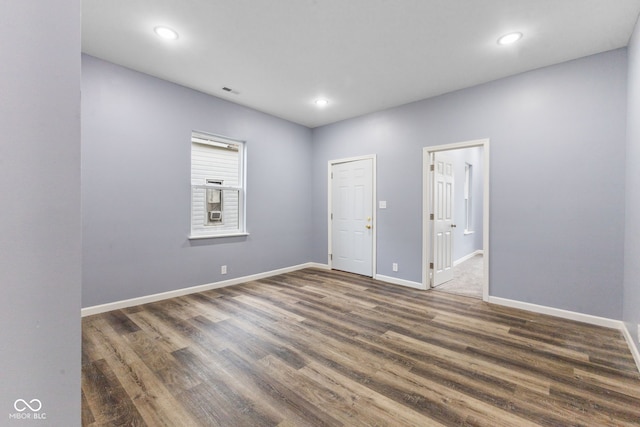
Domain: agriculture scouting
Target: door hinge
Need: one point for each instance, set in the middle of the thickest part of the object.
(431, 217)
(331, 257)
(331, 175)
(331, 215)
(432, 168)
(431, 266)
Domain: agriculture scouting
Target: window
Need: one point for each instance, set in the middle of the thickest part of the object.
(468, 175)
(217, 186)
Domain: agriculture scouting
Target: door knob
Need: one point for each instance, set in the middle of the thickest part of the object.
(368, 226)
(453, 226)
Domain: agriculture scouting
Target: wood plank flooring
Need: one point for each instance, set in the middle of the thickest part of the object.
(324, 348)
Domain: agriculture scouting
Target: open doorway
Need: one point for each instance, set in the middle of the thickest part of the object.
(456, 218)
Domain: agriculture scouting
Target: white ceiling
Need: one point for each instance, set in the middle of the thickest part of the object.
(362, 55)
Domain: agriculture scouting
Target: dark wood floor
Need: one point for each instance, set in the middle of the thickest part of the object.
(315, 348)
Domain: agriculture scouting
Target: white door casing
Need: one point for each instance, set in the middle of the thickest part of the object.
(427, 196)
(443, 221)
(351, 231)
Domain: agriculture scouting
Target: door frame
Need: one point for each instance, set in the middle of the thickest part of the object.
(374, 199)
(426, 194)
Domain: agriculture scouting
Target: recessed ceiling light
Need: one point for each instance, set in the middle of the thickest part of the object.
(321, 102)
(166, 33)
(509, 38)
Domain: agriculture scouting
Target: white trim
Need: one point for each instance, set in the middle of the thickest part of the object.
(96, 309)
(401, 282)
(426, 226)
(374, 211)
(458, 145)
(557, 312)
(215, 236)
(468, 257)
(578, 317)
(632, 344)
(426, 220)
(208, 136)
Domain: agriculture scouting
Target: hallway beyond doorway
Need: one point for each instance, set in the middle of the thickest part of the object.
(467, 278)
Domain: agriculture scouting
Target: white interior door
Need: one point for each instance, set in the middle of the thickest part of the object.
(352, 216)
(442, 222)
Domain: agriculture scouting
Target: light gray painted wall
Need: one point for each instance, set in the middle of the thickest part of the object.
(557, 227)
(136, 133)
(40, 225)
(557, 179)
(632, 231)
(465, 244)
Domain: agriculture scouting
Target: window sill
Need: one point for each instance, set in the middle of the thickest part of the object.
(216, 236)
(468, 232)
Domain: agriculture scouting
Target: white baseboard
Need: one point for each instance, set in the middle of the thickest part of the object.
(579, 317)
(468, 256)
(96, 309)
(401, 282)
(632, 345)
(565, 314)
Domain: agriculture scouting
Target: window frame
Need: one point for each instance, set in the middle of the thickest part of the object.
(206, 138)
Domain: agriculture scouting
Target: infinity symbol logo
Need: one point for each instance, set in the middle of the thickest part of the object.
(21, 405)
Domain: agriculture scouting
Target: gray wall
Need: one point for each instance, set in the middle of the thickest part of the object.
(557, 227)
(136, 133)
(40, 240)
(557, 179)
(632, 231)
(465, 244)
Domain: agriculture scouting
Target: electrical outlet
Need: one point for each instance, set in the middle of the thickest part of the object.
(395, 266)
(223, 269)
